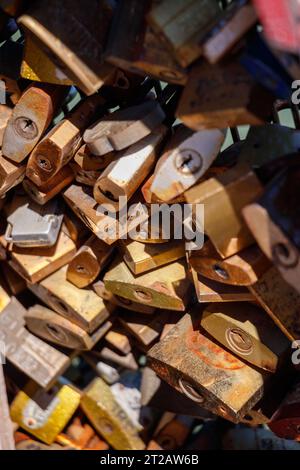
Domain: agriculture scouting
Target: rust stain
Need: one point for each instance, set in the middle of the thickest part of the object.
(211, 353)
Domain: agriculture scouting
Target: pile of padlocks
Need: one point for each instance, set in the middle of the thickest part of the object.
(115, 336)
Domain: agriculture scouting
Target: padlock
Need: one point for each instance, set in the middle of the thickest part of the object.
(205, 372)
(183, 26)
(35, 358)
(142, 257)
(54, 328)
(123, 128)
(223, 95)
(44, 414)
(230, 192)
(234, 23)
(143, 52)
(89, 162)
(280, 22)
(5, 114)
(247, 332)
(74, 43)
(279, 300)
(145, 329)
(37, 65)
(6, 433)
(118, 340)
(172, 435)
(42, 194)
(157, 393)
(108, 418)
(34, 264)
(186, 158)
(32, 225)
(127, 361)
(87, 263)
(272, 220)
(242, 269)
(11, 174)
(104, 225)
(151, 198)
(85, 177)
(136, 162)
(128, 304)
(59, 145)
(81, 306)
(165, 287)
(29, 120)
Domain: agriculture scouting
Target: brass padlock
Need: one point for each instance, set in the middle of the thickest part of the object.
(147, 329)
(142, 257)
(87, 263)
(81, 306)
(58, 147)
(128, 304)
(223, 95)
(234, 23)
(142, 52)
(35, 358)
(74, 43)
(44, 414)
(108, 418)
(123, 128)
(272, 220)
(205, 372)
(119, 340)
(186, 158)
(242, 269)
(54, 328)
(230, 192)
(104, 225)
(248, 333)
(136, 163)
(30, 119)
(43, 194)
(182, 26)
(165, 287)
(279, 300)
(37, 65)
(34, 264)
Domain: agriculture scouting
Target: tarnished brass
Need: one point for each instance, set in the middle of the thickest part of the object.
(247, 332)
(165, 287)
(87, 263)
(205, 372)
(109, 419)
(35, 358)
(81, 306)
(54, 328)
(61, 143)
(141, 257)
(223, 95)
